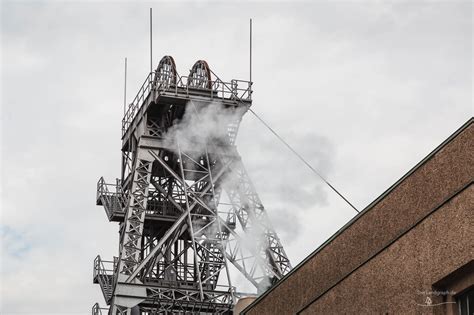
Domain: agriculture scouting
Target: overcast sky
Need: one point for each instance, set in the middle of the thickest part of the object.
(363, 90)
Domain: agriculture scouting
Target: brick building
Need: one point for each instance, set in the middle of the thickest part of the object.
(411, 251)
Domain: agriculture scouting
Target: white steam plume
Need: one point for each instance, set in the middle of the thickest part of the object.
(203, 124)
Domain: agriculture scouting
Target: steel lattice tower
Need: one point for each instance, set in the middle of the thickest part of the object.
(178, 237)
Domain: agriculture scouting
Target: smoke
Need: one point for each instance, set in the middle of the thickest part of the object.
(275, 170)
(255, 241)
(253, 236)
(288, 189)
(202, 124)
(205, 125)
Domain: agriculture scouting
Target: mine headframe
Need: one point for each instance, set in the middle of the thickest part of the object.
(185, 204)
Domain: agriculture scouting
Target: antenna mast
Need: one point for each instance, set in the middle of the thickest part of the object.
(125, 90)
(151, 42)
(250, 51)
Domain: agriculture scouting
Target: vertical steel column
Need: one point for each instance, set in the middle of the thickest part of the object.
(130, 250)
(190, 222)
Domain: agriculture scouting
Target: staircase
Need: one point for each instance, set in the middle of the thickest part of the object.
(104, 277)
(232, 130)
(113, 202)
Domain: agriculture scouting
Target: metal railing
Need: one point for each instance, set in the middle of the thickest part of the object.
(137, 102)
(104, 276)
(234, 90)
(113, 201)
(97, 310)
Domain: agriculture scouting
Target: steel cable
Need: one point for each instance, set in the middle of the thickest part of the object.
(302, 159)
